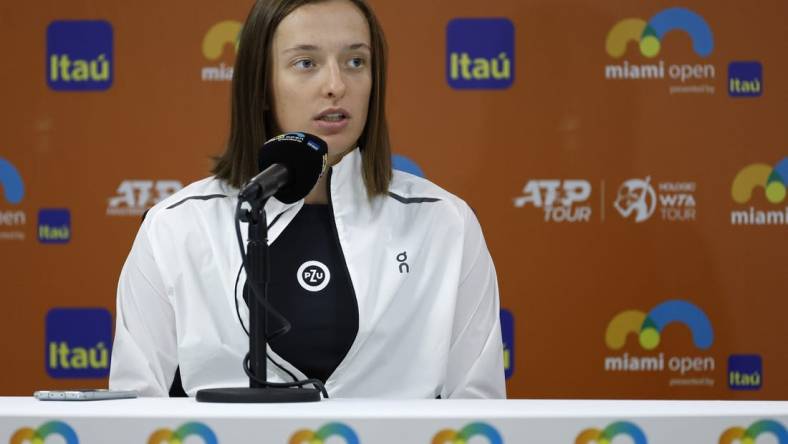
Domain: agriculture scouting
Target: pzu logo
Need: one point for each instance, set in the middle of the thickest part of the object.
(558, 199)
(313, 276)
(136, 196)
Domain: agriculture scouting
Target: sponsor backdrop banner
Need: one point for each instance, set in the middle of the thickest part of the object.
(627, 160)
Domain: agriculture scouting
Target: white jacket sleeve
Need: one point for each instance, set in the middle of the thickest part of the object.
(144, 353)
(475, 365)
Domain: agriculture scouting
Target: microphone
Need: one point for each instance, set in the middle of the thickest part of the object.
(290, 166)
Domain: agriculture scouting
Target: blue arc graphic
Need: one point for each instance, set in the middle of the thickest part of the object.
(13, 187)
(685, 20)
(688, 314)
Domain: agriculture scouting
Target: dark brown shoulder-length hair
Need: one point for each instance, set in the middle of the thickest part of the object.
(252, 121)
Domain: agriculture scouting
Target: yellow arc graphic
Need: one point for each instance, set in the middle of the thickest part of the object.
(218, 36)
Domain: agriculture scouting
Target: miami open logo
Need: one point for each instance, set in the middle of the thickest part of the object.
(39, 435)
(306, 436)
(462, 436)
(613, 430)
(13, 189)
(649, 36)
(750, 434)
(648, 328)
(220, 35)
(178, 435)
(773, 180)
(605, 436)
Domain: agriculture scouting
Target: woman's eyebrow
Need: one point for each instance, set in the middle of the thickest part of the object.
(309, 47)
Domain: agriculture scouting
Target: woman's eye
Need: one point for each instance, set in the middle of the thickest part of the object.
(304, 64)
(356, 62)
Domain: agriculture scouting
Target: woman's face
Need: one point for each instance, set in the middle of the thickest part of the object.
(321, 73)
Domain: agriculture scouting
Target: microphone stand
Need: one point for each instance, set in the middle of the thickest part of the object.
(258, 270)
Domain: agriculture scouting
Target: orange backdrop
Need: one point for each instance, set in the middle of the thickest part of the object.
(629, 176)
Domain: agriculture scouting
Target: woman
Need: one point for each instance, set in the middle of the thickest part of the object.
(384, 276)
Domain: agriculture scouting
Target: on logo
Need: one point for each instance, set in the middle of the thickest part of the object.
(636, 196)
(136, 196)
(313, 276)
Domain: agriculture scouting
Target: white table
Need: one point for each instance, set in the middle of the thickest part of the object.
(384, 422)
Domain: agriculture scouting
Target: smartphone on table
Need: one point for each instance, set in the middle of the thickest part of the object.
(83, 395)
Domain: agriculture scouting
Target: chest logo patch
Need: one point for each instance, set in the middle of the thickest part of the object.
(313, 276)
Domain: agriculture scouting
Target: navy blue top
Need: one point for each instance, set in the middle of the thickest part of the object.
(310, 286)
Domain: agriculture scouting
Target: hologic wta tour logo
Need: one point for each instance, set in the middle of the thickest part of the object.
(649, 36)
(218, 37)
(11, 221)
(333, 429)
(637, 200)
(179, 435)
(648, 329)
(606, 436)
(480, 53)
(773, 181)
(40, 435)
(464, 435)
(750, 435)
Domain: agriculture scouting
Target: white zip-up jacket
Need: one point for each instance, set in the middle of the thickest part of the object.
(427, 294)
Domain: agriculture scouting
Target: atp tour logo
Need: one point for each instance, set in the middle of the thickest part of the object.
(137, 196)
(78, 342)
(40, 435)
(606, 436)
(648, 329)
(480, 53)
(649, 35)
(773, 181)
(13, 193)
(561, 200)
(637, 200)
(79, 55)
(402, 163)
(179, 435)
(313, 276)
(214, 44)
(306, 436)
(462, 436)
(750, 434)
(745, 79)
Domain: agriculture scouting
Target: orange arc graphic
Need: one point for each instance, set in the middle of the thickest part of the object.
(446, 436)
(587, 436)
(731, 435)
(304, 437)
(22, 435)
(160, 436)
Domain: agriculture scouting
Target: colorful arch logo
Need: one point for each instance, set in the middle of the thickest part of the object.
(402, 163)
(449, 436)
(649, 34)
(218, 36)
(606, 436)
(40, 434)
(774, 182)
(181, 433)
(306, 436)
(11, 180)
(750, 434)
(649, 326)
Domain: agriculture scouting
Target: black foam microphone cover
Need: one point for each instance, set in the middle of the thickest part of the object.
(303, 154)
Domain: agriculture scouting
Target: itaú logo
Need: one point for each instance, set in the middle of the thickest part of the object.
(750, 434)
(214, 42)
(462, 436)
(306, 436)
(179, 435)
(605, 436)
(648, 328)
(40, 435)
